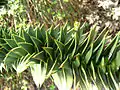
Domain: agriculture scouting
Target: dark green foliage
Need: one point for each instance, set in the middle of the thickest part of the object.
(86, 56)
(3, 3)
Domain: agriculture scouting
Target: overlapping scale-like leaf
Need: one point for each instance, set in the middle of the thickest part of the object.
(64, 52)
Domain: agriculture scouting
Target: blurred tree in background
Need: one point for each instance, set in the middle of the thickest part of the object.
(21, 12)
